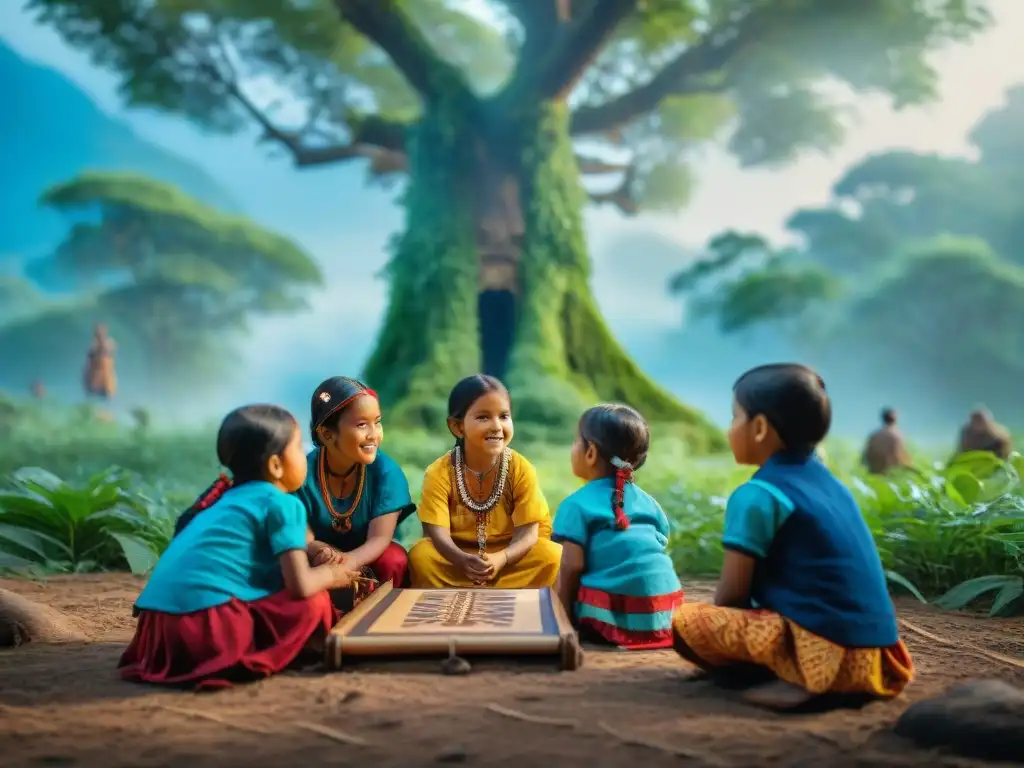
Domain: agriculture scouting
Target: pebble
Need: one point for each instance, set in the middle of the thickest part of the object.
(982, 718)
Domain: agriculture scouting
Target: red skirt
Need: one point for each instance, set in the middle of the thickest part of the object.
(229, 643)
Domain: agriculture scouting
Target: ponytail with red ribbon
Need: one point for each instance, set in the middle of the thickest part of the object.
(623, 475)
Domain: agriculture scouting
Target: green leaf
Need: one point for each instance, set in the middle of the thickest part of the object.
(967, 592)
(897, 578)
(141, 558)
(963, 487)
(1008, 595)
(980, 464)
(37, 476)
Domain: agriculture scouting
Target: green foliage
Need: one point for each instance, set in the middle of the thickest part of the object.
(981, 308)
(929, 253)
(18, 298)
(743, 281)
(47, 524)
(179, 280)
(948, 532)
(473, 101)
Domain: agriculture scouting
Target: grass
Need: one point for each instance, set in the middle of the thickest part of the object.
(951, 533)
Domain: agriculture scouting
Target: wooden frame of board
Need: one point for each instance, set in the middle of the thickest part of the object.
(378, 626)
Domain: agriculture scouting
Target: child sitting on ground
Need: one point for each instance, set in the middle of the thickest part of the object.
(615, 577)
(485, 520)
(234, 596)
(802, 605)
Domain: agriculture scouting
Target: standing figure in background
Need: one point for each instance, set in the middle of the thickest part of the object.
(886, 448)
(38, 389)
(100, 378)
(983, 433)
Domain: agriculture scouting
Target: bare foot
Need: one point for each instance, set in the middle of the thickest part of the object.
(777, 695)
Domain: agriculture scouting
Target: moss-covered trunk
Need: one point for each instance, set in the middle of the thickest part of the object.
(496, 206)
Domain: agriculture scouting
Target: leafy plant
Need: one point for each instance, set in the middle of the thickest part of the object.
(47, 524)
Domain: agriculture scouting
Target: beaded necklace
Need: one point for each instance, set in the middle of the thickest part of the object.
(341, 521)
(482, 509)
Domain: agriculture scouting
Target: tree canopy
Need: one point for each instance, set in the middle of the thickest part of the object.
(646, 82)
(918, 262)
(179, 279)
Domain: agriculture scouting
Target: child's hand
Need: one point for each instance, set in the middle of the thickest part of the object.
(476, 568)
(322, 554)
(344, 577)
(496, 561)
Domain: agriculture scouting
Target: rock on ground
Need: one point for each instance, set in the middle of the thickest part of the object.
(982, 718)
(23, 621)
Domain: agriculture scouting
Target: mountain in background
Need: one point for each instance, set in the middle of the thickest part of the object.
(50, 131)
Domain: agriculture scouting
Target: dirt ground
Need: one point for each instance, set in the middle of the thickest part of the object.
(64, 705)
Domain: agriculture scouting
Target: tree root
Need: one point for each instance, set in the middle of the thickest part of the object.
(24, 621)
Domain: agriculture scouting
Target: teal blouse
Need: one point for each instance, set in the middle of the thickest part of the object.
(385, 491)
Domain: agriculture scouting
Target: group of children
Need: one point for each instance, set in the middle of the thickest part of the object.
(252, 577)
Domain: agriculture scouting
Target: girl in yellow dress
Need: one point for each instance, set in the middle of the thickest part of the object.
(485, 520)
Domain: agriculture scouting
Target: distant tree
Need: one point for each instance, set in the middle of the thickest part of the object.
(481, 114)
(18, 298)
(953, 309)
(181, 280)
(743, 280)
(918, 265)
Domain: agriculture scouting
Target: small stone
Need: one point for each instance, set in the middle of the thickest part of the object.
(982, 718)
(350, 696)
(456, 665)
(452, 755)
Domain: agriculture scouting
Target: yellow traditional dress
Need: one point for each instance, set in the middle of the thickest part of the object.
(521, 503)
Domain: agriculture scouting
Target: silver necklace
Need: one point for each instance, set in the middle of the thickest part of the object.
(482, 509)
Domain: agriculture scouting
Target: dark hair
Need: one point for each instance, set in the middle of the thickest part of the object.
(792, 398)
(622, 438)
(888, 416)
(330, 400)
(468, 391)
(247, 438)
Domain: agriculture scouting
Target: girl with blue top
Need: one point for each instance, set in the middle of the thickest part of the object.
(802, 604)
(355, 495)
(615, 576)
(234, 596)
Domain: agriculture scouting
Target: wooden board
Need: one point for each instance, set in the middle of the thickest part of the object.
(399, 622)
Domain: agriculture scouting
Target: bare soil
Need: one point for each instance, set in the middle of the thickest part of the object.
(64, 705)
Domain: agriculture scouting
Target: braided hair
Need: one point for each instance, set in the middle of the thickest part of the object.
(622, 438)
(247, 438)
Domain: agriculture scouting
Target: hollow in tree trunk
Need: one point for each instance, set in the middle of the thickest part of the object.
(492, 274)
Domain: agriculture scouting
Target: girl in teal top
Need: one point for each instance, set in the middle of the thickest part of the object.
(615, 575)
(355, 497)
(234, 595)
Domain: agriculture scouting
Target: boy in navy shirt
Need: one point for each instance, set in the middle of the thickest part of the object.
(802, 596)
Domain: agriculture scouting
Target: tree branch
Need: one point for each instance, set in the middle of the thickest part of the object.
(684, 75)
(371, 137)
(585, 36)
(592, 165)
(556, 54)
(385, 24)
(622, 196)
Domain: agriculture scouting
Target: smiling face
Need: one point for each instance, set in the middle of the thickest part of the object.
(487, 427)
(356, 436)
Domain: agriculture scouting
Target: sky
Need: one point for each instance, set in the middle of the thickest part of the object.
(973, 80)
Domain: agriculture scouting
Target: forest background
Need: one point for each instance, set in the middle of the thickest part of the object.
(861, 219)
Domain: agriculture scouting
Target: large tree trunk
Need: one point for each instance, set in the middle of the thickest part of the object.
(492, 273)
